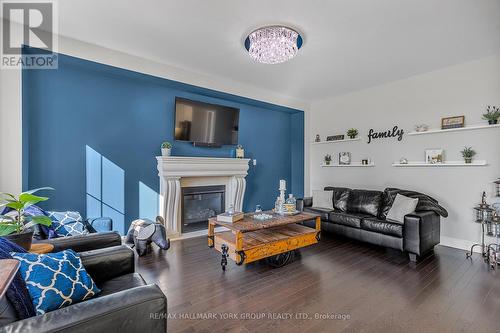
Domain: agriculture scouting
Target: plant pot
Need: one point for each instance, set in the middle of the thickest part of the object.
(23, 239)
(327, 162)
(468, 160)
(352, 136)
(493, 122)
(166, 151)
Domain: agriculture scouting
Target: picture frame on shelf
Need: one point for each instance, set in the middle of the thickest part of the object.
(344, 158)
(434, 156)
(453, 122)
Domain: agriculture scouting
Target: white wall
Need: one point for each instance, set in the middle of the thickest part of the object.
(458, 90)
(10, 99)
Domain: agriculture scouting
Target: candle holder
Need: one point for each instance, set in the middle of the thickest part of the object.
(483, 215)
(497, 188)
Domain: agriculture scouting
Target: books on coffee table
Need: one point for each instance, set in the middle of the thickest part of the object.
(230, 217)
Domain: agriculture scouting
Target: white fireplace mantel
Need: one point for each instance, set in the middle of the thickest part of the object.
(178, 171)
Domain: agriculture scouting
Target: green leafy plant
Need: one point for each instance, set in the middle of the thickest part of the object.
(468, 153)
(352, 133)
(492, 113)
(328, 158)
(166, 145)
(19, 222)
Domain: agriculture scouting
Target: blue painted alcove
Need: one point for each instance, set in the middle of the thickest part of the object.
(92, 132)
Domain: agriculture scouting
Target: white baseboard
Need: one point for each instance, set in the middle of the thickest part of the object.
(458, 243)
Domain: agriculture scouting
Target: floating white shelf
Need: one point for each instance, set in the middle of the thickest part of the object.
(335, 141)
(441, 165)
(352, 165)
(466, 128)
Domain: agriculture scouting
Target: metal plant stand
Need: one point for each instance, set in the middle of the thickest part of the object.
(482, 245)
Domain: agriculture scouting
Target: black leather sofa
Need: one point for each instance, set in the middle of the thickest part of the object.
(361, 215)
(126, 303)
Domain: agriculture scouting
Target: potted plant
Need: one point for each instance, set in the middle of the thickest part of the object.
(352, 133)
(166, 148)
(468, 153)
(17, 227)
(328, 159)
(492, 114)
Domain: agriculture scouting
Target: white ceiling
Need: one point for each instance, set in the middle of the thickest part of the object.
(348, 44)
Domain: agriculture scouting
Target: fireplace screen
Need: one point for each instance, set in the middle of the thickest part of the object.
(200, 203)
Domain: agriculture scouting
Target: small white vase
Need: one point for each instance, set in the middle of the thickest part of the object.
(166, 151)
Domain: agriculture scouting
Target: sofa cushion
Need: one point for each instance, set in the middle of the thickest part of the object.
(120, 283)
(347, 219)
(340, 197)
(382, 227)
(318, 210)
(322, 199)
(364, 202)
(401, 207)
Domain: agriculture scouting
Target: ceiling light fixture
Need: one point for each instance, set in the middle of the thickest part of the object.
(273, 44)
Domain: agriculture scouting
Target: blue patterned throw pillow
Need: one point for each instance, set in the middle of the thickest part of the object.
(67, 223)
(55, 280)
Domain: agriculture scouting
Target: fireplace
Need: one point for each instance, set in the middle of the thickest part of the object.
(199, 203)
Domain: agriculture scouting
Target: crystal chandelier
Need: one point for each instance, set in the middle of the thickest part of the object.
(273, 44)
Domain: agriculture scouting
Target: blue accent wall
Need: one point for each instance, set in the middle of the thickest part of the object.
(92, 132)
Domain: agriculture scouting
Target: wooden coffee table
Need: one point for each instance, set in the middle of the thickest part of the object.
(250, 239)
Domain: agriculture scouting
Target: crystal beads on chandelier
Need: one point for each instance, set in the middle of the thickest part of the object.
(273, 44)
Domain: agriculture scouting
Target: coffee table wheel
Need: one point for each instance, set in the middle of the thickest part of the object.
(224, 250)
(281, 259)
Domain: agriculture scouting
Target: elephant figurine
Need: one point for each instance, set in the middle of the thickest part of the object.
(143, 232)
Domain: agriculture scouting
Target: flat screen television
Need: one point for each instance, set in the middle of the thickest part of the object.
(205, 124)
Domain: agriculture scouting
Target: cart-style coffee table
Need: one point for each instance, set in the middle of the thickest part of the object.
(250, 239)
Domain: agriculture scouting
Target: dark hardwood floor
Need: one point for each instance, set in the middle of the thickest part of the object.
(355, 288)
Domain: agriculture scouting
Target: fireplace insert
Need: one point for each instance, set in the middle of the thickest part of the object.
(199, 203)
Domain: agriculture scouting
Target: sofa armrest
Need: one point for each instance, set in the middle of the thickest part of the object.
(304, 202)
(139, 309)
(108, 263)
(87, 242)
(421, 232)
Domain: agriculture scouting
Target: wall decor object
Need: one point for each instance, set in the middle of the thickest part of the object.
(335, 137)
(240, 152)
(365, 161)
(395, 132)
(318, 139)
(492, 114)
(421, 128)
(468, 154)
(328, 159)
(497, 187)
(352, 133)
(344, 158)
(433, 156)
(453, 122)
(403, 160)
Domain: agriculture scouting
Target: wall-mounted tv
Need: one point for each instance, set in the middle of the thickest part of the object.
(205, 124)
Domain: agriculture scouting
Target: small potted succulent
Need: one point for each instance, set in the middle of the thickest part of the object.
(492, 114)
(352, 133)
(16, 225)
(468, 153)
(328, 159)
(166, 148)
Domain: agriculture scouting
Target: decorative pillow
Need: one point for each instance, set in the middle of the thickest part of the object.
(68, 223)
(401, 207)
(323, 199)
(55, 280)
(340, 197)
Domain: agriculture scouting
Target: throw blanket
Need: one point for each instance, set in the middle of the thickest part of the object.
(17, 294)
(425, 202)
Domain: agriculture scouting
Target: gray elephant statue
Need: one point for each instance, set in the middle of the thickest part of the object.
(143, 232)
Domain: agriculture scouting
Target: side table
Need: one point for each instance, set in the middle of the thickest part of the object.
(41, 248)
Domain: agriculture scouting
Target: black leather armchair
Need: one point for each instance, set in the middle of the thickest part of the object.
(126, 303)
